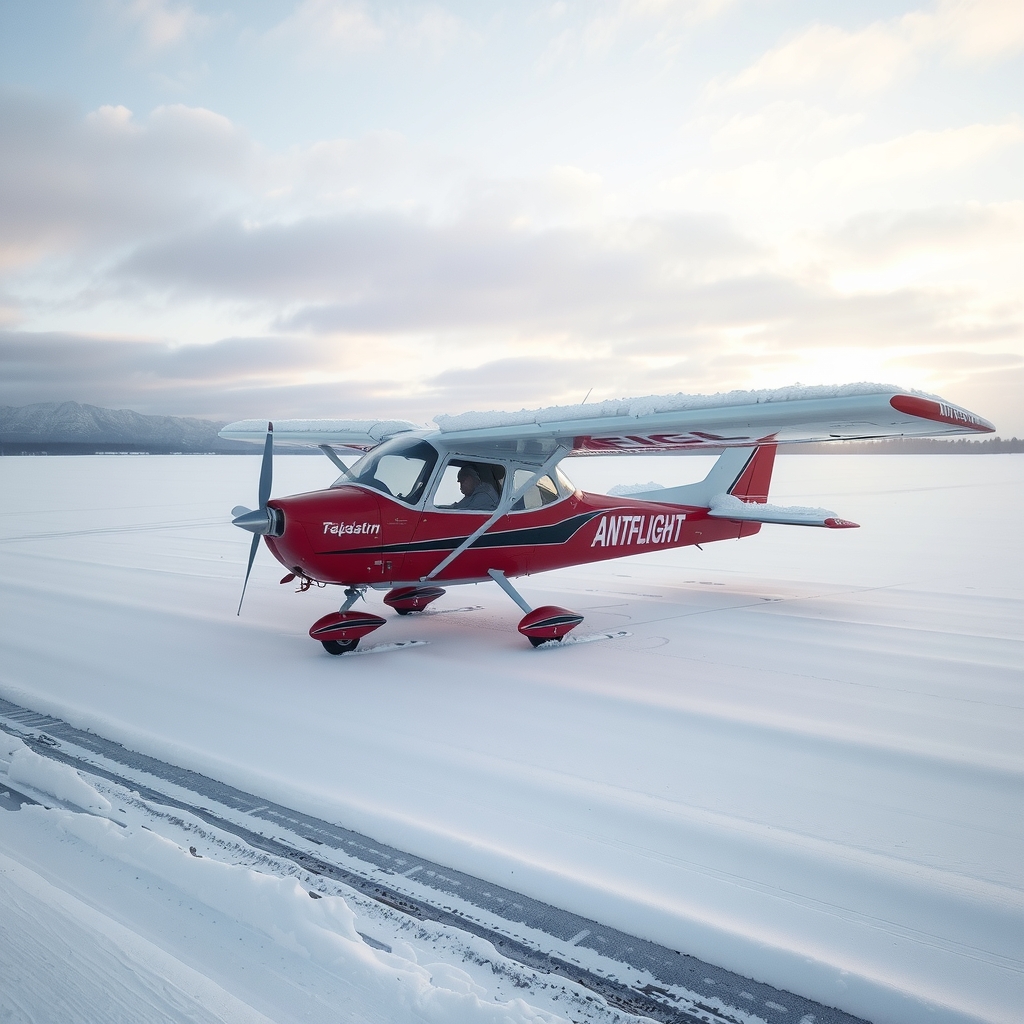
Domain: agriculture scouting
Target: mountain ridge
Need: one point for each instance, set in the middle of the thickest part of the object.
(55, 425)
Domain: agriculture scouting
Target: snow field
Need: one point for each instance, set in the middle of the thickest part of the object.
(312, 962)
(805, 764)
(49, 777)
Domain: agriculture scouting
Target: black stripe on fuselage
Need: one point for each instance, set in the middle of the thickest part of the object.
(530, 536)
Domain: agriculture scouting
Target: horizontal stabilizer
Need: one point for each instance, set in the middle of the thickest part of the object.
(361, 434)
(726, 506)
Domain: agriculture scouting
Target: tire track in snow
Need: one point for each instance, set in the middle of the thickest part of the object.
(630, 973)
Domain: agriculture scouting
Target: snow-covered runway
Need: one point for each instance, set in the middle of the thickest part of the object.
(804, 764)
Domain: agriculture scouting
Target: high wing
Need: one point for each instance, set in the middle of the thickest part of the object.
(658, 423)
(359, 434)
(665, 423)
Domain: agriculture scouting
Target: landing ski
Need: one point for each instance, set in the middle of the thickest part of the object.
(553, 645)
(449, 611)
(399, 645)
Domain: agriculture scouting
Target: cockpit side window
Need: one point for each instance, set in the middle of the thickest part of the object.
(565, 485)
(469, 486)
(400, 467)
(537, 495)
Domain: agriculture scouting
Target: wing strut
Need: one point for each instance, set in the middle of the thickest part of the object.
(333, 456)
(503, 506)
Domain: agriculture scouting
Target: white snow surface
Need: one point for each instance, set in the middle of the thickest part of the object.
(805, 764)
(50, 777)
(651, 404)
(70, 962)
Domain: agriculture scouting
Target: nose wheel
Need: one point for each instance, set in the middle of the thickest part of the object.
(342, 630)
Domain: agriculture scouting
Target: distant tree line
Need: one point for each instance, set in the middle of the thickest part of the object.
(912, 446)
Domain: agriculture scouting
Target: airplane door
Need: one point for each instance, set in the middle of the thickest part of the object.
(398, 525)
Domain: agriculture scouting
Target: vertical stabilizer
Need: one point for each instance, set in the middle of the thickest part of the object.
(753, 483)
(744, 472)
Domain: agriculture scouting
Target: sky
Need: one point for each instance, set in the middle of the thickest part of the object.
(347, 209)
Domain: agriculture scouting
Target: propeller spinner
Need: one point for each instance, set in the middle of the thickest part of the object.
(261, 521)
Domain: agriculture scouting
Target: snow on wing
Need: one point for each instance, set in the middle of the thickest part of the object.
(735, 419)
(361, 434)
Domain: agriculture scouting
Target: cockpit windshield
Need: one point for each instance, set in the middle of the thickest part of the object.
(400, 467)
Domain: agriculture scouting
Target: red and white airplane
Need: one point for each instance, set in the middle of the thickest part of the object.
(482, 496)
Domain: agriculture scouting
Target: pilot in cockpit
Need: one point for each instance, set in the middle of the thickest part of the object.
(479, 495)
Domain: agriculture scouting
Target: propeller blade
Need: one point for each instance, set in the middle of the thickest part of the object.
(267, 469)
(259, 520)
(252, 556)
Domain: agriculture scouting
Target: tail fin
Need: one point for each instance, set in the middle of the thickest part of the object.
(744, 472)
(753, 483)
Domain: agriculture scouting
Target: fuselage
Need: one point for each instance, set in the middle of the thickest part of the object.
(353, 534)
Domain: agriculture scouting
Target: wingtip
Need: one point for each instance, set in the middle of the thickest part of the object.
(941, 412)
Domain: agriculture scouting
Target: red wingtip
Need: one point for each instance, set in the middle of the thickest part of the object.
(940, 412)
(834, 523)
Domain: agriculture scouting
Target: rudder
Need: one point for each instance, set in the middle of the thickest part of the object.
(753, 483)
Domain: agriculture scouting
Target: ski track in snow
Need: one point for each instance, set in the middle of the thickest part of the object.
(805, 764)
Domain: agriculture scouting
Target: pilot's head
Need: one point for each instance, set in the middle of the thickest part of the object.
(469, 480)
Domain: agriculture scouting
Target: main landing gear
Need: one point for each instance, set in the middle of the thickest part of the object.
(538, 625)
(341, 631)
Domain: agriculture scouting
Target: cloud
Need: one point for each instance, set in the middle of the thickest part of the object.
(325, 27)
(391, 272)
(972, 31)
(662, 19)
(879, 236)
(855, 62)
(161, 24)
(537, 380)
(228, 379)
(870, 59)
(784, 128)
(657, 25)
(800, 184)
(918, 155)
(108, 178)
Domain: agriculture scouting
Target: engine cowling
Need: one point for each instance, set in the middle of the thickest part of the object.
(334, 536)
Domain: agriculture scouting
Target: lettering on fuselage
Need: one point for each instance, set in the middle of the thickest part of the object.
(620, 530)
(338, 528)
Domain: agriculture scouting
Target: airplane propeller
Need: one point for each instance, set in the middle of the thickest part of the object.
(262, 520)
